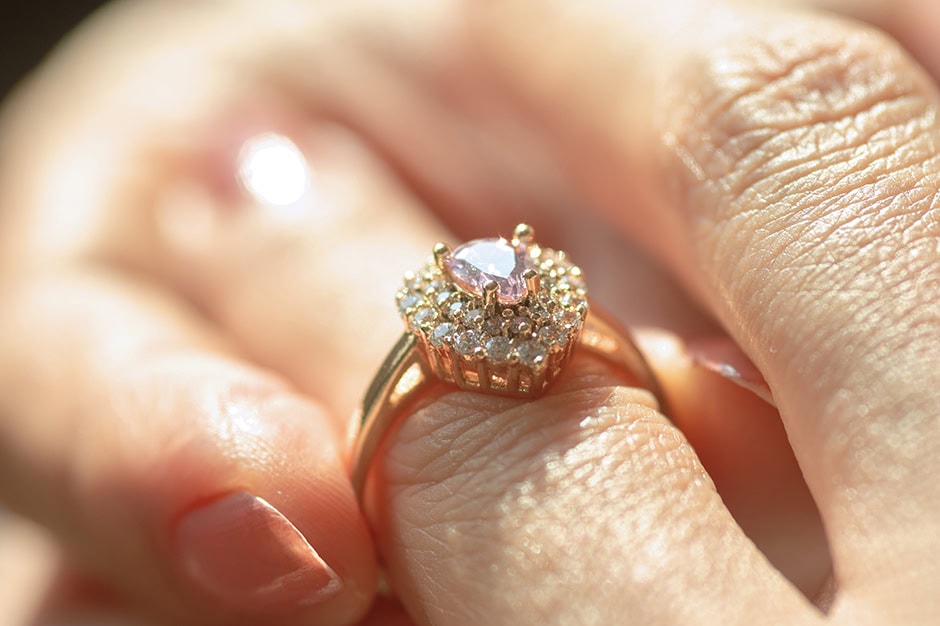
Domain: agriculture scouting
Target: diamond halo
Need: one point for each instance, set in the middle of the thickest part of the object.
(496, 315)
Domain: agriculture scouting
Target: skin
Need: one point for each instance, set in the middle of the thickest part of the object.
(753, 175)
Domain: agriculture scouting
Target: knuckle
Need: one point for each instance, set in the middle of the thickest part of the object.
(804, 146)
(797, 110)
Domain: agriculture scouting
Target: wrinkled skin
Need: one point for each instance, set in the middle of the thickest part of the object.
(756, 176)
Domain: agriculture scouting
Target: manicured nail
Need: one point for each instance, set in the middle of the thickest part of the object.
(244, 552)
(723, 357)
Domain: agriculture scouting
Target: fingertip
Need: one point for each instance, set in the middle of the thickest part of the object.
(235, 494)
(283, 537)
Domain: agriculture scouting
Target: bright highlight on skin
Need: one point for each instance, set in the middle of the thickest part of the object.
(273, 170)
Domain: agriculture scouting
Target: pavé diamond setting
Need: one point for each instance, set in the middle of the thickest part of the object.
(496, 315)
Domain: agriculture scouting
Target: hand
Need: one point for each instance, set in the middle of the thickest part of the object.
(181, 363)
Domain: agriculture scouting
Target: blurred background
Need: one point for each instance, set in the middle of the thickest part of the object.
(29, 29)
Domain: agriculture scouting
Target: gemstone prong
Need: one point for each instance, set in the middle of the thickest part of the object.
(441, 252)
(533, 281)
(524, 233)
(490, 293)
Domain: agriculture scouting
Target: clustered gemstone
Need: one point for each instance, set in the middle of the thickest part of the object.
(447, 307)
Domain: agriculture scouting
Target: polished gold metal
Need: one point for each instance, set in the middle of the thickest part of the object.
(533, 281)
(490, 294)
(403, 376)
(441, 252)
(523, 233)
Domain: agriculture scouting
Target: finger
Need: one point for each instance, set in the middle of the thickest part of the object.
(28, 560)
(801, 166)
(309, 290)
(279, 279)
(203, 487)
(474, 499)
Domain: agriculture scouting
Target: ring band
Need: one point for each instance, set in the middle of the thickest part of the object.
(494, 316)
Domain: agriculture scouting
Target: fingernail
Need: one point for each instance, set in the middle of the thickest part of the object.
(244, 552)
(722, 356)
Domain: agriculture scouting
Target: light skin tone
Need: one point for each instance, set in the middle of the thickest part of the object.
(180, 362)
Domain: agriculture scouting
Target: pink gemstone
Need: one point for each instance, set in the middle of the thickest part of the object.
(480, 261)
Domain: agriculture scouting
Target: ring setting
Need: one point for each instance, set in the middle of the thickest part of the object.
(495, 315)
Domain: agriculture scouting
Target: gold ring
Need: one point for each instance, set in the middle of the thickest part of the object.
(494, 316)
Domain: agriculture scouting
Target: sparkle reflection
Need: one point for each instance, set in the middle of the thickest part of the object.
(273, 170)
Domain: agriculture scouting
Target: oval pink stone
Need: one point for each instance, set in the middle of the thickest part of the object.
(480, 261)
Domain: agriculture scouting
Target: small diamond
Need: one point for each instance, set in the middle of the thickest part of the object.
(435, 286)
(413, 283)
(408, 302)
(467, 341)
(498, 348)
(473, 317)
(424, 315)
(493, 326)
(531, 353)
(552, 335)
(576, 282)
(538, 313)
(443, 297)
(520, 325)
(456, 309)
(566, 318)
(440, 334)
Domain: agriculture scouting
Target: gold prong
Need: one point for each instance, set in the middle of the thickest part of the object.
(441, 252)
(483, 373)
(533, 281)
(524, 233)
(490, 294)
